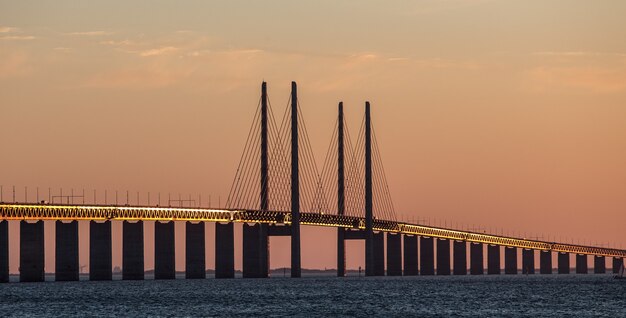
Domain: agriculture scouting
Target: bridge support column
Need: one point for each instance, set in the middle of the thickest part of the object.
(225, 250)
(563, 262)
(460, 258)
(195, 260)
(493, 259)
(427, 256)
(132, 251)
(528, 261)
(394, 254)
(410, 255)
(4, 251)
(100, 251)
(379, 254)
(477, 266)
(255, 251)
(617, 264)
(581, 264)
(66, 252)
(164, 250)
(510, 260)
(31, 252)
(341, 252)
(443, 257)
(545, 262)
(599, 264)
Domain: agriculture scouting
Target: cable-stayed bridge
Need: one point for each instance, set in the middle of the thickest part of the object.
(277, 189)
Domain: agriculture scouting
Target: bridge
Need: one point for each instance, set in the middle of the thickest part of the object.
(266, 197)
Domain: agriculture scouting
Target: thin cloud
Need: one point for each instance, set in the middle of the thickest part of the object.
(158, 51)
(577, 54)
(7, 29)
(90, 33)
(17, 38)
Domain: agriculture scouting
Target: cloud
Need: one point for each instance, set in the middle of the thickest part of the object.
(578, 54)
(17, 38)
(435, 6)
(90, 33)
(7, 29)
(158, 51)
(14, 65)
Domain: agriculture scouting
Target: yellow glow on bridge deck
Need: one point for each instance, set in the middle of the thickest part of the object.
(133, 213)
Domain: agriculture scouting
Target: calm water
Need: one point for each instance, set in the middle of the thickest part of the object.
(469, 296)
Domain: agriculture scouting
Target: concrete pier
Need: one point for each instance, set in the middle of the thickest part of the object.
(617, 264)
(510, 260)
(493, 259)
(460, 258)
(4, 251)
(563, 263)
(341, 252)
(31, 252)
(255, 251)
(581, 264)
(132, 251)
(545, 262)
(528, 261)
(394, 254)
(599, 264)
(195, 260)
(66, 251)
(443, 257)
(100, 251)
(164, 250)
(477, 266)
(224, 250)
(427, 255)
(379, 254)
(410, 255)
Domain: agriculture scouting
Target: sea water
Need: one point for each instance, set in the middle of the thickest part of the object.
(422, 296)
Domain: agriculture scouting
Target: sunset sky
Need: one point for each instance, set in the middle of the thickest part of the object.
(507, 115)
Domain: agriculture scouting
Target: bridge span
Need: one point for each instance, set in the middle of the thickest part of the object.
(279, 223)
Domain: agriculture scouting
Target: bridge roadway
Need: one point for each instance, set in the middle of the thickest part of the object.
(35, 212)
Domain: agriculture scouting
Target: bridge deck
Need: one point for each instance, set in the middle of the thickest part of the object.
(101, 212)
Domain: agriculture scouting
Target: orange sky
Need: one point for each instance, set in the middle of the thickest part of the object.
(498, 114)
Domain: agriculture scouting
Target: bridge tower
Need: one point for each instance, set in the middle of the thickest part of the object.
(295, 186)
(341, 244)
(369, 217)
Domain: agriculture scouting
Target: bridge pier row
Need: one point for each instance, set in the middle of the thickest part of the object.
(460, 258)
(255, 251)
(379, 254)
(394, 254)
(164, 250)
(4, 251)
(100, 251)
(545, 262)
(599, 264)
(493, 259)
(510, 260)
(563, 262)
(195, 260)
(581, 264)
(443, 257)
(427, 255)
(528, 261)
(617, 264)
(132, 251)
(31, 252)
(477, 266)
(224, 250)
(66, 251)
(410, 255)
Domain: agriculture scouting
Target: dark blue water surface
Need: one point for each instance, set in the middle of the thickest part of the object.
(453, 296)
